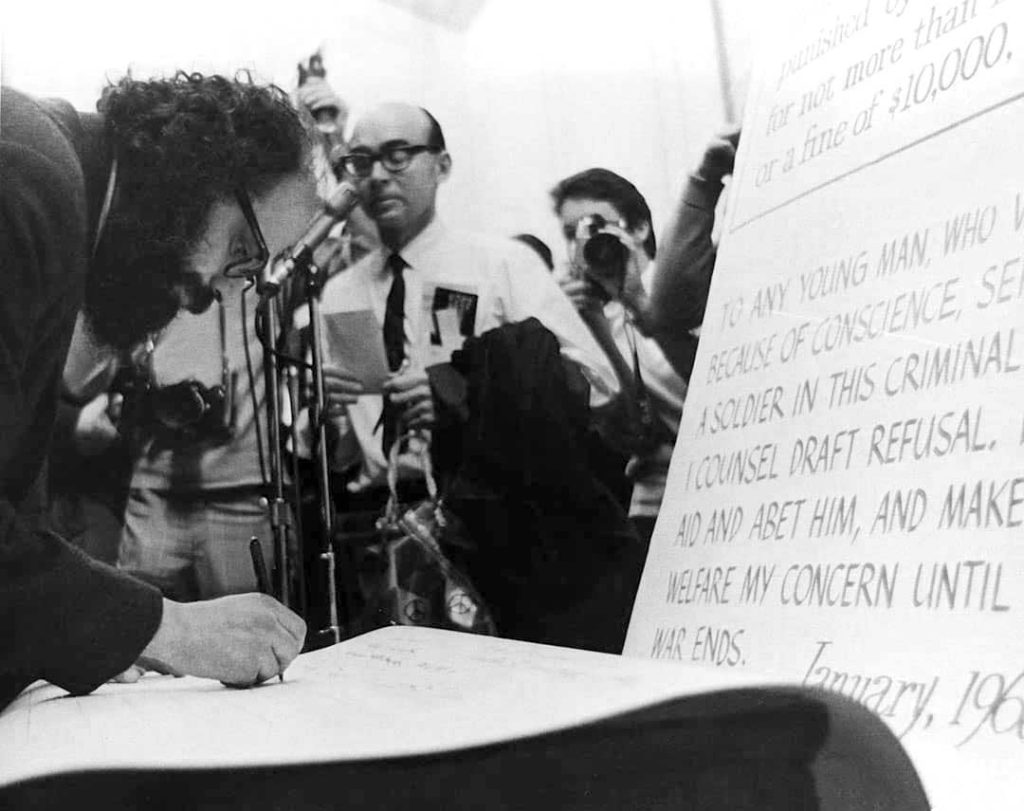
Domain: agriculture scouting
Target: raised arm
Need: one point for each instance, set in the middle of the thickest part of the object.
(686, 258)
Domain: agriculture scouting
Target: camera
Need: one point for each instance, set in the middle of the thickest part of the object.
(325, 117)
(186, 411)
(192, 410)
(602, 255)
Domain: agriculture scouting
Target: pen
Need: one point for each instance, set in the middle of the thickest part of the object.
(260, 567)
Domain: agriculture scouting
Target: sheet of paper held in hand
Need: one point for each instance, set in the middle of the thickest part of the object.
(398, 691)
(354, 339)
(845, 506)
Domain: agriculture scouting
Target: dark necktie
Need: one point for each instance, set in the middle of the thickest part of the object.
(394, 342)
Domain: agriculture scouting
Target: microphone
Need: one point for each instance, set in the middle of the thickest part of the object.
(336, 209)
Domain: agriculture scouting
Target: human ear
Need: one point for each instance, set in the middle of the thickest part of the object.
(641, 232)
(444, 165)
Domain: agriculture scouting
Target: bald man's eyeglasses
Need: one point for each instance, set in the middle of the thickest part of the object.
(393, 158)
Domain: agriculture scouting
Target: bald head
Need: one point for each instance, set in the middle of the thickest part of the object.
(400, 200)
(409, 117)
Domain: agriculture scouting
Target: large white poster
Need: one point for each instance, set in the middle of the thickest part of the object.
(846, 500)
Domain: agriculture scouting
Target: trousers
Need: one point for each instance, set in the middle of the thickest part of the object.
(194, 546)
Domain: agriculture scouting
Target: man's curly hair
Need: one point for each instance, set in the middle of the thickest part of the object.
(182, 144)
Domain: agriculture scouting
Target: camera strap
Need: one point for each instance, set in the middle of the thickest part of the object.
(227, 381)
(648, 422)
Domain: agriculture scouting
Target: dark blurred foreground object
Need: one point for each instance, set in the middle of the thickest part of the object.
(558, 562)
(770, 749)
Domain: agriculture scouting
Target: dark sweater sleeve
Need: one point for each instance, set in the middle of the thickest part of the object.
(68, 619)
(63, 617)
(685, 261)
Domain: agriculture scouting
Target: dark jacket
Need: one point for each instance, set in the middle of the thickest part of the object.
(63, 617)
(551, 537)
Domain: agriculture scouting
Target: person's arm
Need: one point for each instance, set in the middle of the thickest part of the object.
(685, 260)
(325, 107)
(325, 114)
(87, 413)
(64, 617)
(583, 296)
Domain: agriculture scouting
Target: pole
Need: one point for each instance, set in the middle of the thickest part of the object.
(277, 507)
(323, 477)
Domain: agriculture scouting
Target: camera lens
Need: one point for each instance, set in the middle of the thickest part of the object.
(606, 257)
(180, 405)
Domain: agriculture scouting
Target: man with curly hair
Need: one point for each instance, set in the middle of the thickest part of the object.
(138, 209)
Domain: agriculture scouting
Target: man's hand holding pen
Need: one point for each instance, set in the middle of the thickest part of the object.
(240, 640)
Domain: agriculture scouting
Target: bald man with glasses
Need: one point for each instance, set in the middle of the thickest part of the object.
(398, 159)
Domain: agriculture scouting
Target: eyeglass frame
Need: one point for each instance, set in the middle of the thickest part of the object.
(259, 261)
(412, 149)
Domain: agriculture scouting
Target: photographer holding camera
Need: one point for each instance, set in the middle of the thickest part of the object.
(611, 244)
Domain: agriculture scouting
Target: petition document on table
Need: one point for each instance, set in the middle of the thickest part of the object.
(394, 692)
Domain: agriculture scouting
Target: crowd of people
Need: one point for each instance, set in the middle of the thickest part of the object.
(543, 396)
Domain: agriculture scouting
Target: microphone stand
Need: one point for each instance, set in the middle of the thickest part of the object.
(311, 278)
(292, 390)
(314, 278)
(279, 520)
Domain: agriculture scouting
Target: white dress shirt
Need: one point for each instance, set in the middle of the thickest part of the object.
(510, 284)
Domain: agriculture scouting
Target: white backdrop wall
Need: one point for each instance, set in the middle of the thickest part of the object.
(531, 91)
